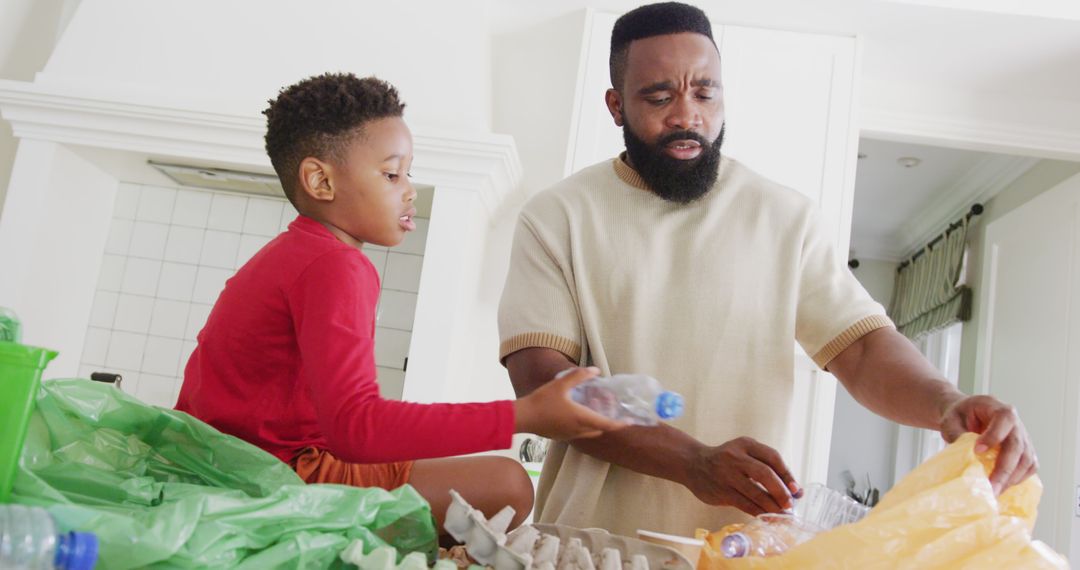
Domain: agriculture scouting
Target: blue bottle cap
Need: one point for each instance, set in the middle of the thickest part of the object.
(77, 551)
(669, 405)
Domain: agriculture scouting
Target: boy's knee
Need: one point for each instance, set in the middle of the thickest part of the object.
(517, 487)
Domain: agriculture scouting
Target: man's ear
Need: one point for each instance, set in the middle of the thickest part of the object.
(614, 104)
(315, 179)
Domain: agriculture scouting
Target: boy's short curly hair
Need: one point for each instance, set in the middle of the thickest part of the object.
(652, 20)
(320, 116)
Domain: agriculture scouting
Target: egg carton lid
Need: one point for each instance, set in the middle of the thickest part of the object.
(486, 540)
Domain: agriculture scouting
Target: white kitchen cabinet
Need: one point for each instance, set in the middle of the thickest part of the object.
(790, 101)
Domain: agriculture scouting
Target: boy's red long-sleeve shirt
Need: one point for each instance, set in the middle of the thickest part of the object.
(287, 361)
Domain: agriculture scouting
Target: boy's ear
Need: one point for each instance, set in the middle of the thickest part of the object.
(315, 179)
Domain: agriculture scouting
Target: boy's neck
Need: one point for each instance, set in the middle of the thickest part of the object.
(341, 234)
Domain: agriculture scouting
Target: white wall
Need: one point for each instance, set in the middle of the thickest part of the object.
(535, 74)
(231, 57)
(52, 233)
(27, 33)
(863, 442)
(1042, 177)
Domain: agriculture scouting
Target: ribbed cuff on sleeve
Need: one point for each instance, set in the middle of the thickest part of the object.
(571, 349)
(849, 336)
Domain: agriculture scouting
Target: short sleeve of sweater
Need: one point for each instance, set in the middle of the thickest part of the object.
(834, 310)
(538, 307)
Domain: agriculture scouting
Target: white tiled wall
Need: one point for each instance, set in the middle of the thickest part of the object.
(168, 255)
(399, 269)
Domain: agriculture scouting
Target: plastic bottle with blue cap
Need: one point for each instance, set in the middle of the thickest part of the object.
(30, 540)
(633, 398)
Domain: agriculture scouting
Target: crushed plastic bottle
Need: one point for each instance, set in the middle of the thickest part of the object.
(633, 398)
(766, 535)
(10, 329)
(29, 540)
(819, 509)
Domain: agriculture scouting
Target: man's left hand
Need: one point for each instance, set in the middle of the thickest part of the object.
(999, 425)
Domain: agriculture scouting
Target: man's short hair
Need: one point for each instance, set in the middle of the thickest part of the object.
(319, 117)
(648, 21)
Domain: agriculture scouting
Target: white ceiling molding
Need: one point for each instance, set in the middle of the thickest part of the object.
(1053, 9)
(985, 180)
(487, 164)
(972, 134)
(879, 249)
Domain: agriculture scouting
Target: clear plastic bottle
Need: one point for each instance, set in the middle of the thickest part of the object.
(29, 541)
(10, 328)
(635, 398)
(766, 535)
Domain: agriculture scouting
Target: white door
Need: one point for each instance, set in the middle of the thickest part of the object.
(1029, 342)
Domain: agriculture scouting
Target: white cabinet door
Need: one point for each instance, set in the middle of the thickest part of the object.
(1029, 343)
(790, 105)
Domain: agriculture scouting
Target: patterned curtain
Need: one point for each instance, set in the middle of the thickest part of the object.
(929, 293)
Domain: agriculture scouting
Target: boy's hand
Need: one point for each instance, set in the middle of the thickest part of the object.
(549, 412)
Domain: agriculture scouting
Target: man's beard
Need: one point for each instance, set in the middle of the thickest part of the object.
(675, 180)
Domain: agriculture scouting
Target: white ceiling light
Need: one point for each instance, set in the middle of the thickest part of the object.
(908, 161)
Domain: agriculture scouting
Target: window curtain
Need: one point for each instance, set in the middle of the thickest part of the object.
(929, 293)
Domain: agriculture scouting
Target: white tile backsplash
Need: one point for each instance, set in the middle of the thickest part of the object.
(249, 246)
(129, 382)
(133, 313)
(103, 310)
(161, 356)
(127, 201)
(141, 276)
(378, 259)
(156, 204)
(96, 346)
(263, 217)
(112, 272)
(197, 316)
(184, 244)
(288, 214)
(125, 350)
(391, 382)
(157, 390)
(148, 240)
(119, 238)
(169, 253)
(396, 310)
(185, 354)
(219, 249)
(177, 281)
(416, 240)
(192, 208)
(169, 318)
(403, 272)
(209, 282)
(391, 347)
(227, 213)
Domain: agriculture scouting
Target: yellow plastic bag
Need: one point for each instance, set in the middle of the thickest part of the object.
(942, 515)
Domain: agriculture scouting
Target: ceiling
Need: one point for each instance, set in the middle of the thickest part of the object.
(1006, 47)
(899, 208)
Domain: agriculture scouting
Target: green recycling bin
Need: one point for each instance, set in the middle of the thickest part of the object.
(20, 376)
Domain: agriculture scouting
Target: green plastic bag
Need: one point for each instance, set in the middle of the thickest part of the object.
(162, 489)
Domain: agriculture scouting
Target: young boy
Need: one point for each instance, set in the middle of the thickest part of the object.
(286, 359)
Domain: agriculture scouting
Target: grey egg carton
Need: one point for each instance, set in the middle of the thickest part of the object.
(551, 547)
(385, 558)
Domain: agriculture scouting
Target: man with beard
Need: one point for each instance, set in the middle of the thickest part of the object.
(675, 261)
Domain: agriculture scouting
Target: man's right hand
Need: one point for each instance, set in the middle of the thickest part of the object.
(744, 474)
